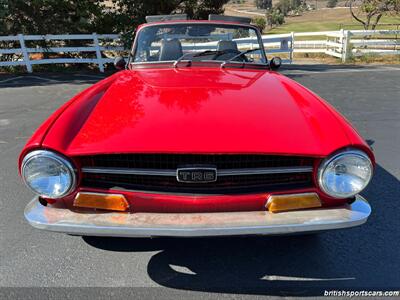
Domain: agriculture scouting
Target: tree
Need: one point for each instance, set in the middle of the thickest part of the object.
(296, 3)
(3, 14)
(133, 12)
(331, 3)
(130, 13)
(263, 4)
(87, 16)
(82, 16)
(373, 11)
(260, 22)
(275, 17)
(50, 16)
(285, 6)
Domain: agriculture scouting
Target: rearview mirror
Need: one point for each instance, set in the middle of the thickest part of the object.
(119, 63)
(275, 63)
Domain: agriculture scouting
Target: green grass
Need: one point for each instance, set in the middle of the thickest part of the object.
(305, 27)
(320, 25)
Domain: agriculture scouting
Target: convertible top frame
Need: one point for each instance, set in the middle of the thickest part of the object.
(183, 17)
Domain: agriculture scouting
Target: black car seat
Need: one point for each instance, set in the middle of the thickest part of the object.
(225, 45)
(230, 47)
(170, 49)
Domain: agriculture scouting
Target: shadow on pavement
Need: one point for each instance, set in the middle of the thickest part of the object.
(326, 67)
(364, 257)
(47, 79)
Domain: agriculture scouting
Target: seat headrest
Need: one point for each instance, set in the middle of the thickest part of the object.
(170, 50)
(226, 45)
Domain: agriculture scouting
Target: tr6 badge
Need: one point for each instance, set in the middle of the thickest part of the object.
(196, 174)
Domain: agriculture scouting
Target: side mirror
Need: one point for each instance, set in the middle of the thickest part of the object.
(119, 63)
(275, 63)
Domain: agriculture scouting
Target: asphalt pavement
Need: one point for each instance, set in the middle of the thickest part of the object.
(361, 258)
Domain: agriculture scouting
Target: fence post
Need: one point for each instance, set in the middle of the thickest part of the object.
(291, 47)
(341, 42)
(346, 46)
(25, 53)
(98, 52)
(326, 44)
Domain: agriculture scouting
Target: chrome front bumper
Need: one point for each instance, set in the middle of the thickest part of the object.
(196, 224)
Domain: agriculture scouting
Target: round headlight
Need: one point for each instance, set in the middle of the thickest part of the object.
(48, 174)
(345, 174)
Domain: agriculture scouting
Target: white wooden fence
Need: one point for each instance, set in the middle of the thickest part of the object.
(342, 44)
(96, 47)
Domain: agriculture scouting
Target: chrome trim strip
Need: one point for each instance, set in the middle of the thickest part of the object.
(126, 171)
(258, 171)
(60, 219)
(222, 172)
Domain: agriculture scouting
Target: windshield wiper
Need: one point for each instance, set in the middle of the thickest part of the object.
(176, 62)
(204, 53)
(238, 55)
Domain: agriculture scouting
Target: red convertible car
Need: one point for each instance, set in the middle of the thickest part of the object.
(197, 135)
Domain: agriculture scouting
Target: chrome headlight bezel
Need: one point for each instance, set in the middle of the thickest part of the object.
(326, 162)
(56, 157)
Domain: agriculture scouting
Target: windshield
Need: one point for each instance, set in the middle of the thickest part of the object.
(198, 42)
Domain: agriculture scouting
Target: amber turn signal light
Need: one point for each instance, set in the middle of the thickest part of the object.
(278, 203)
(114, 202)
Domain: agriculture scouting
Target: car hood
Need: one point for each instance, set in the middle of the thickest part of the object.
(198, 110)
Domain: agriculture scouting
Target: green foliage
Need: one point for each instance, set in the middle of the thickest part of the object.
(283, 6)
(130, 13)
(286, 6)
(275, 17)
(331, 3)
(260, 22)
(296, 3)
(263, 4)
(83, 16)
(49, 16)
(3, 13)
(380, 6)
(374, 10)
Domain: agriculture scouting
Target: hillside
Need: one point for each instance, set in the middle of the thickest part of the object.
(321, 19)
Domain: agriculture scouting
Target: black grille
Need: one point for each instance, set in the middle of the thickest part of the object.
(172, 161)
(223, 185)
